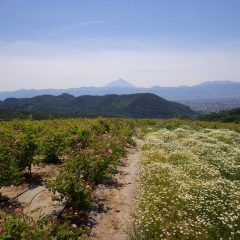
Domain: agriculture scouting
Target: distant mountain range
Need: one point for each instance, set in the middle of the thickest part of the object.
(206, 90)
(141, 105)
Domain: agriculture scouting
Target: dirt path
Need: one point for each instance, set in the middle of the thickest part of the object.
(114, 222)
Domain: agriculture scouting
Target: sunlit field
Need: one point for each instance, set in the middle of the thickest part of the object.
(189, 178)
(189, 184)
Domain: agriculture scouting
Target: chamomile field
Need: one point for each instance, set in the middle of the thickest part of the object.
(189, 184)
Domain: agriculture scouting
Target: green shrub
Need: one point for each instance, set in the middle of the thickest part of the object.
(16, 226)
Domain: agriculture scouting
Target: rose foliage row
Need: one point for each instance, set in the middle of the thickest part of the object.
(86, 152)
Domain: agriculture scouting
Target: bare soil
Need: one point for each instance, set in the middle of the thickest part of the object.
(35, 199)
(117, 200)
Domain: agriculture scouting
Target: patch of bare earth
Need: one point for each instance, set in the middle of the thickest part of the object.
(35, 199)
(114, 221)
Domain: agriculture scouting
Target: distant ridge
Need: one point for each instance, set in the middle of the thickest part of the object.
(142, 105)
(208, 83)
(206, 90)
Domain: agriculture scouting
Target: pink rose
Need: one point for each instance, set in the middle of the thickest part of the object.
(2, 229)
(98, 156)
(110, 151)
(17, 210)
(74, 225)
(79, 145)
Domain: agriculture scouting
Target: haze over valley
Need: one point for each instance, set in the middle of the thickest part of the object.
(207, 97)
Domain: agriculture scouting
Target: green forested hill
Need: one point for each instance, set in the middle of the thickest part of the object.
(143, 105)
(232, 115)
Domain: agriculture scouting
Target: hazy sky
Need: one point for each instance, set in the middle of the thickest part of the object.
(73, 43)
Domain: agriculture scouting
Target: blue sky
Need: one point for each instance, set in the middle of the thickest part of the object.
(72, 43)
